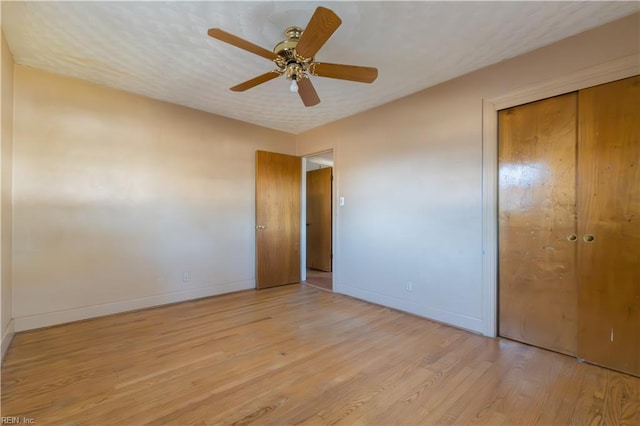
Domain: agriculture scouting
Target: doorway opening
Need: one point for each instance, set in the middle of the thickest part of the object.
(318, 214)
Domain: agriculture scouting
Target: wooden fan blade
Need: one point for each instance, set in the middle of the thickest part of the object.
(344, 72)
(321, 26)
(255, 81)
(236, 41)
(307, 93)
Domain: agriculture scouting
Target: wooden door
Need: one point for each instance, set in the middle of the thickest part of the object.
(319, 202)
(278, 206)
(609, 211)
(536, 210)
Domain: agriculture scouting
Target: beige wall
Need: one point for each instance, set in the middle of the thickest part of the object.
(116, 195)
(411, 175)
(6, 159)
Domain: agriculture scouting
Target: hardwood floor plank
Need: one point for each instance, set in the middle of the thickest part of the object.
(622, 401)
(297, 355)
(451, 369)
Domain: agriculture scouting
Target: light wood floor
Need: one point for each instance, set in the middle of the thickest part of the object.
(320, 279)
(296, 354)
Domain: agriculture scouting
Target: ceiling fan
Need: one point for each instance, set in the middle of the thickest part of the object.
(294, 57)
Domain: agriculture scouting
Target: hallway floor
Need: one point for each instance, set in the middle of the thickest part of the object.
(320, 279)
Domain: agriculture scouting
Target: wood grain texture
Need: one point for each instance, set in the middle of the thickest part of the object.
(278, 210)
(241, 43)
(609, 209)
(323, 23)
(263, 78)
(536, 210)
(297, 355)
(307, 92)
(344, 72)
(319, 203)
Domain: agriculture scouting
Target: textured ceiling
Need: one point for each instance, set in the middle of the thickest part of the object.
(161, 49)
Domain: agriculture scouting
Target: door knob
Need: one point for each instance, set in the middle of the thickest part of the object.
(588, 238)
(261, 227)
(572, 237)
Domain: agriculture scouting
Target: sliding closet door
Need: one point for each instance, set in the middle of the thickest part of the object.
(609, 225)
(537, 227)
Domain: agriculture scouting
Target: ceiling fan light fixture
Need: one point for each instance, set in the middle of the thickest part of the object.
(294, 86)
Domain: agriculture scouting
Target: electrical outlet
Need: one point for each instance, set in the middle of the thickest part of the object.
(408, 286)
(186, 276)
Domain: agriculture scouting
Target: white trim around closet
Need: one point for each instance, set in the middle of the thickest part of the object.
(624, 67)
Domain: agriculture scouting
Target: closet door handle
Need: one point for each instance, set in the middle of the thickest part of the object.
(588, 238)
(572, 237)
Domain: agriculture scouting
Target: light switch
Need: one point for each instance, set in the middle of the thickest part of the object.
(341, 201)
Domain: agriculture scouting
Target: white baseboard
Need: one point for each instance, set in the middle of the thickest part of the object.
(47, 319)
(7, 337)
(451, 318)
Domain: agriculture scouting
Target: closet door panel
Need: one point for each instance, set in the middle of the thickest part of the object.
(609, 212)
(536, 210)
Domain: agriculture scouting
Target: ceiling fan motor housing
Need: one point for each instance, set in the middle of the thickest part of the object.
(286, 48)
(293, 65)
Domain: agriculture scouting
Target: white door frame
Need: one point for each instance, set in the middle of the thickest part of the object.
(603, 73)
(303, 216)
